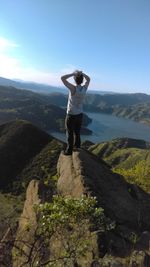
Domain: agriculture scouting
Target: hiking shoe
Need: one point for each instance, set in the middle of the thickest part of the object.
(67, 153)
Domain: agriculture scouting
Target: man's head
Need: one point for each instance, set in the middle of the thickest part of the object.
(78, 77)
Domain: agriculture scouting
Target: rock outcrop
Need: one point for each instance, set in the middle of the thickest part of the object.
(27, 225)
(124, 204)
(36, 193)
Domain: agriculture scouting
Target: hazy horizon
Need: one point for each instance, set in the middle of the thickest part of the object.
(109, 40)
(63, 87)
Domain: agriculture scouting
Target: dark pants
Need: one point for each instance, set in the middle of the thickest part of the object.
(73, 126)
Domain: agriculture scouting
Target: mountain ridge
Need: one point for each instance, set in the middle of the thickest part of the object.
(134, 106)
(42, 88)
(33, 86)
(20, 141)
(34, 107)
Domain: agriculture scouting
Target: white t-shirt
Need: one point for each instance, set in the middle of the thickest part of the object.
(75, 101)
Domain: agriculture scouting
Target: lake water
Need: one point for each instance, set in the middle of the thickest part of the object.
(106, 127)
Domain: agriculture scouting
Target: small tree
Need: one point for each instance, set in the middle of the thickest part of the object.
(64, 232)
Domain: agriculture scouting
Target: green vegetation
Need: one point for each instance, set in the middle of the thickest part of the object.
(11, 208)
(34, 107)
(128, 157)
(43, 166)
(131, 106)
(139, 174)
(20, 142)
(139, 112)
(43, 111)
(66, 212)
(26, 153)
(66, 227)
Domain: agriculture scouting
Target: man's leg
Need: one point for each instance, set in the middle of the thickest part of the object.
(77, 128)
(69, 132)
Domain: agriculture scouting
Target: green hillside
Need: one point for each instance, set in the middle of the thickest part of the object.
(131, 106)
(116, 99)
(20, 141)
(26, 152)
(11, 208)
(26, 105)
(128, 157)
(43, 165)
(139, 112)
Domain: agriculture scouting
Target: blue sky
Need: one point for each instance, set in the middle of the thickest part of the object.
(108, 39)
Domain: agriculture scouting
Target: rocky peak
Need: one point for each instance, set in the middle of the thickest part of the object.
(125, 203)
(83, 174)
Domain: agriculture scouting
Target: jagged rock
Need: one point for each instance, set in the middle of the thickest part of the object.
(83, 174)
(27, 224)
(36, 193)
(124, 203)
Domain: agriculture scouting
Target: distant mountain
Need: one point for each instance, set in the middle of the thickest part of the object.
(99, 92)
(138, 112)
(35, 87)
(26, 105)
(107, 100)
(58, 99)
(103, 102)
(42, 88)
(38, 108)
(132, 106)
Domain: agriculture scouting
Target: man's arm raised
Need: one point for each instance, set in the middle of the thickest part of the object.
(69, 85)
(87, 80)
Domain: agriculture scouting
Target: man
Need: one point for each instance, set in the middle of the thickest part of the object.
(74, 114)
